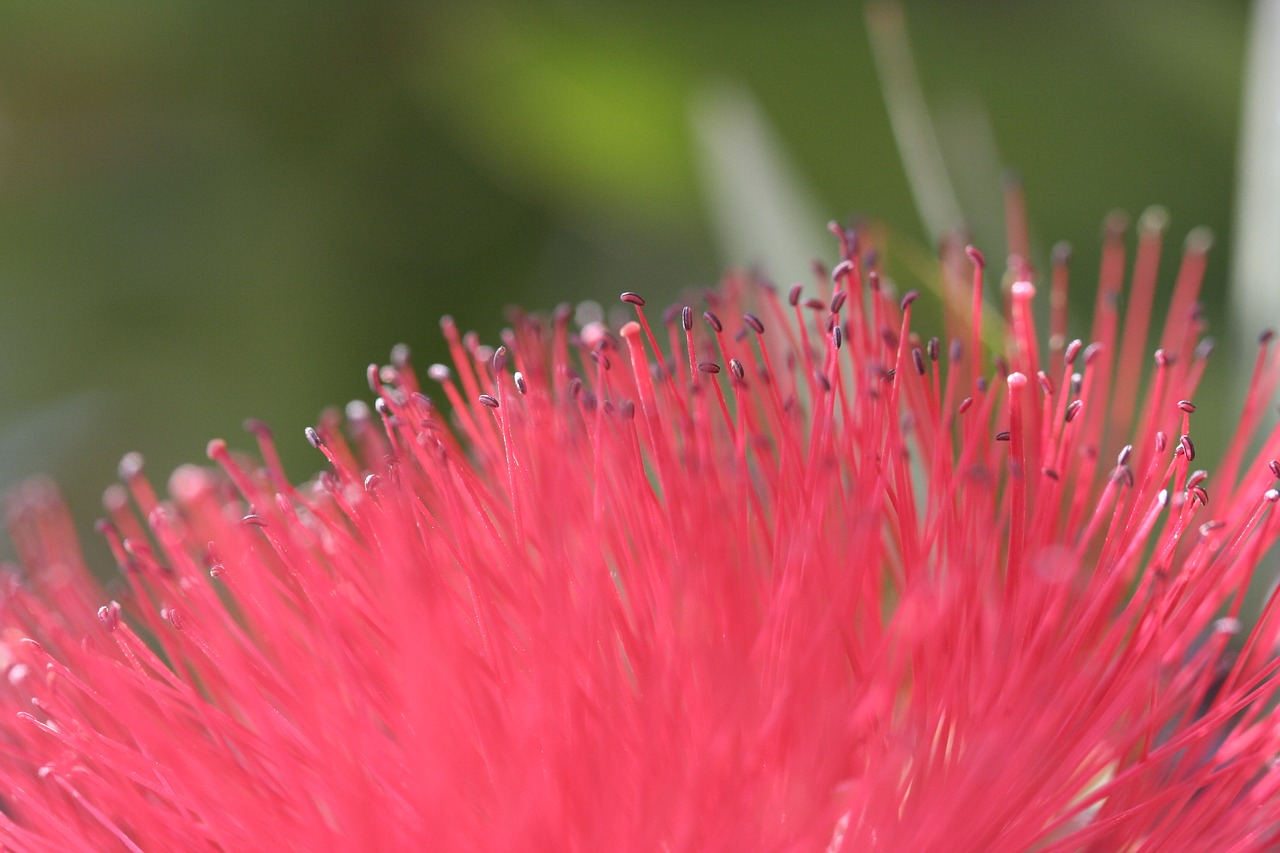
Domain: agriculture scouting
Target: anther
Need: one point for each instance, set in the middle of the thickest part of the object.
(837, 300)
(1161, 441)
(1187, 447)
(487, 400)
(633, 298)
(1227, 625)
(1271, 496)
(754, 322)
(1073, 409)
(841, 270)
(793, 296)
(439, 373)
(686, 318)
(499, 360)
(1073, 350)
(837, 336)
(313, 437)
(908, 298)
(708, 367)
(1187, 406)
(521, 385)
(1003, 435)
(713, 321)
(1275, 468)
(109, 615)
(1125, 453)
(932, 349)
(979, 260)
(964, 405)
(918, 358)
(1046, 384)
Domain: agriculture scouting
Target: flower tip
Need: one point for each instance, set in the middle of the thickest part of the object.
(633, 299)
(1155, 219)
(1017, 381)
(1199, 240)
(130, 466)
(256, 427)
(975, 255)
(216, 449)
(1116, 223)
(1024, 290)
(187, 482)
(400, 355)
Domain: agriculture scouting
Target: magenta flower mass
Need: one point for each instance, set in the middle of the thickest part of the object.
(779, 572)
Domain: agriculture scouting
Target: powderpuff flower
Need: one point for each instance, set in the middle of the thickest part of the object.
(811, 581)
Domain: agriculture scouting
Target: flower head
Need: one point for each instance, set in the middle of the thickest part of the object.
(811, 581)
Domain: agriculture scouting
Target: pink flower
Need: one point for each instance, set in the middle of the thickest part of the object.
(812, 582)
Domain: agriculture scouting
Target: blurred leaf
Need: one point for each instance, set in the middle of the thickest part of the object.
(762, 209)
(587, 116)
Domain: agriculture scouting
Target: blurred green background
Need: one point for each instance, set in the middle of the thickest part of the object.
(217, 210)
